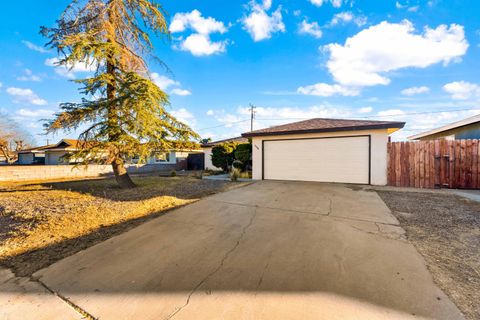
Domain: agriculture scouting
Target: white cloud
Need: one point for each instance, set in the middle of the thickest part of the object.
(34, 47)
(27, 113)
(327, 90)
(365, 58)
(260, 25)
(400, 6)
(69, 71)
(162, 81)
(25, 96)
(415, 90)
(310, 28)
(346, 17)
(462, 90)
(167, 84)
(181, 92)
(29, 76)
(198, 43)
(390, 112)
(194, 20)
(210, 112)
(365, 110)
(201, 45)
(319, 3)
(184, 116)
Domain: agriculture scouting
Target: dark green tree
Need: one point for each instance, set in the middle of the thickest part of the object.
(123, 109)
(223, 155)
(243, 152)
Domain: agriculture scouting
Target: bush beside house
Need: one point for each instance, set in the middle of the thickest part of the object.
(230, 154)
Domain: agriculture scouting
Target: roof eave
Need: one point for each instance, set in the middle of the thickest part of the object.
(397, 125)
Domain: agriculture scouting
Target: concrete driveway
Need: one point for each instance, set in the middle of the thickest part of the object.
(270, 250)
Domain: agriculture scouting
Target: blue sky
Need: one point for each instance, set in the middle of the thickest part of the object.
(414, 61)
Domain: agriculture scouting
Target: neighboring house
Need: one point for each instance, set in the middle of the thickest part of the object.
(207, 149)
(54, 155)
(33, 155)
(326, 150)
(465, 129)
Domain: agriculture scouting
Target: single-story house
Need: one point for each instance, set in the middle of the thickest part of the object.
(464, 129)
(54, 155)
(33, 155)
(325, 150)
(207, 149)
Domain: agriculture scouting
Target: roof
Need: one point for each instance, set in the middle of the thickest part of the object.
(324, 125)
(36, 149)
(214, 143)
(66, 144)
(451, 126)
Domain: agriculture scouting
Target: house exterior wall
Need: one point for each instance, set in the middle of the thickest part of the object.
(207, 152)
(471, 131)
(379, 140)
(25, 158)
(54, 157)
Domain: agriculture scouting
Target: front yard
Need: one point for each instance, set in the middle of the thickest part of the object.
(41, 223)
(445, 229)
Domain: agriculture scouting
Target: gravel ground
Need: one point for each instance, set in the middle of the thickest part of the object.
(445, 229)
(41, 223)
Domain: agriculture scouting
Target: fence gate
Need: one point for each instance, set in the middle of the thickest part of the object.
(434, 164)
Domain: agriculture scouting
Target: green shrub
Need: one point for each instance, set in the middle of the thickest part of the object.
(237, 164)
(223, 155)
(243, 152)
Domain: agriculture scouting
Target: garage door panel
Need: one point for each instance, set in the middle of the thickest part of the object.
(344, 159)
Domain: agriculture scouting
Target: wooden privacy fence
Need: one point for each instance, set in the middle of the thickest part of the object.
(434, 164)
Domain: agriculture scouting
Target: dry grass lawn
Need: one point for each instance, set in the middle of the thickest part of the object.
(41, 223)
(445, 229)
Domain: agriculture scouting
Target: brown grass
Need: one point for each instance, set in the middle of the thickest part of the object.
(41, 223)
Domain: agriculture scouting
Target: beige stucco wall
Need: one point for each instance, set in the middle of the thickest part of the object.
(208, 159)
(52, 172)
(54, 158)
(379, 140)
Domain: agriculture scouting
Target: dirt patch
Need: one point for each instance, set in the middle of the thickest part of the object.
(43, 223)
(445, 229)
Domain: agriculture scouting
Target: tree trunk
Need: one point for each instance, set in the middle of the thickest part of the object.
(121, 175)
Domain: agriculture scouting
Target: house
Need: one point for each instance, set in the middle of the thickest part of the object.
(54, 155)
(33, 155)
(464, 129)
(207, 149)
(325, 150)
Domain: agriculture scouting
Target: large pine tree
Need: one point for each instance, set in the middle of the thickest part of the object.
(123, 110)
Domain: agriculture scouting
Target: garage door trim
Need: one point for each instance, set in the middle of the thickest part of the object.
(316, 138)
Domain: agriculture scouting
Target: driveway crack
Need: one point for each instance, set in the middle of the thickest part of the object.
(85, 314)
(330, 207)
(220, 265)
(263, 272)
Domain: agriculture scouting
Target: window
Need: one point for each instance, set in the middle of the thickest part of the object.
(162, 157)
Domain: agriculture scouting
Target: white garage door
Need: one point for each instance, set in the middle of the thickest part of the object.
(338, 159)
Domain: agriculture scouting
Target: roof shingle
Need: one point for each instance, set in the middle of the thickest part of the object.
(324, 125)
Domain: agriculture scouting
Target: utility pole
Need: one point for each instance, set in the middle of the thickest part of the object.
(252, 115)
